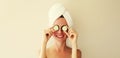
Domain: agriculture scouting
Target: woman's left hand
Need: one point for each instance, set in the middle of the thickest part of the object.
(72, 36)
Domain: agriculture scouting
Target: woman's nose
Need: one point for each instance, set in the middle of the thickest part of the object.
(59, 31)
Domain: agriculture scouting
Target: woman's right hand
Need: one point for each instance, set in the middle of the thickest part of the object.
(48, 33)
(46, 36)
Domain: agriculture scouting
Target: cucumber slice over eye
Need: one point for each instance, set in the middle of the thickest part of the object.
(64, 28)
(55, 27)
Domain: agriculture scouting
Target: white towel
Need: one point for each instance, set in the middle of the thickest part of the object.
(56, 11)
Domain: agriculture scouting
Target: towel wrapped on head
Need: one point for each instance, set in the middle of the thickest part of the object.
(56, 11)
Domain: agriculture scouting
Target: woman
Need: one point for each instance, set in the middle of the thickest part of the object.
(60, 24)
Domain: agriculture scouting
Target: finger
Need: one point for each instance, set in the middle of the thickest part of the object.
(66, 33)
(47, 34)
(69, 30)
(72, 31)
(52, 30)
(72, 36)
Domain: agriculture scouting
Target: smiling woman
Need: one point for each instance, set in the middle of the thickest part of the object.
(60, 27)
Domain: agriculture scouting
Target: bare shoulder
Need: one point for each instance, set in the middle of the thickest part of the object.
(79, 53)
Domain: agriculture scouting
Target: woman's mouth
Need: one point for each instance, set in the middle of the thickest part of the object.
(60, 36)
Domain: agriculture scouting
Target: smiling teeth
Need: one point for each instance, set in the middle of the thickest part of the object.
(60, 36)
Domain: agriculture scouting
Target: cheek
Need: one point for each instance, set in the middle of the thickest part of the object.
(54, 33)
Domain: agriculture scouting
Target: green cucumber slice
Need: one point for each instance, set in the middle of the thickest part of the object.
(55, 28)
(64, 28)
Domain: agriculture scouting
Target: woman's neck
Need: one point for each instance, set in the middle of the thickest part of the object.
(60, 46)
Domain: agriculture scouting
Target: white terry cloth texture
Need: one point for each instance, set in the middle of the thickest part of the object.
(56, 11)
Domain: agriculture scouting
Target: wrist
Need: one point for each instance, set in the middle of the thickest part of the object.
(44, 41)
(74, 45)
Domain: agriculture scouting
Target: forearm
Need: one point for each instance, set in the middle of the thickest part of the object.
(74, 50)
(43, 50)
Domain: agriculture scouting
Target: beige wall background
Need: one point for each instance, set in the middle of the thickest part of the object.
(97, 22)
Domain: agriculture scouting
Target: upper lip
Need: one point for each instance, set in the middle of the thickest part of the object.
(59, 35)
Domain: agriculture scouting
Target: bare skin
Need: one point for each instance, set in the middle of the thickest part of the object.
(59, 49)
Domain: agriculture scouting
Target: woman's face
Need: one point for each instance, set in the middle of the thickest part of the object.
(60, 34)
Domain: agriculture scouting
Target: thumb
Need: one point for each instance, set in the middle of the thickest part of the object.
(66, 33)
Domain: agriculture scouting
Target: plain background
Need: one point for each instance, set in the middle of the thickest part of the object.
(96, 21)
